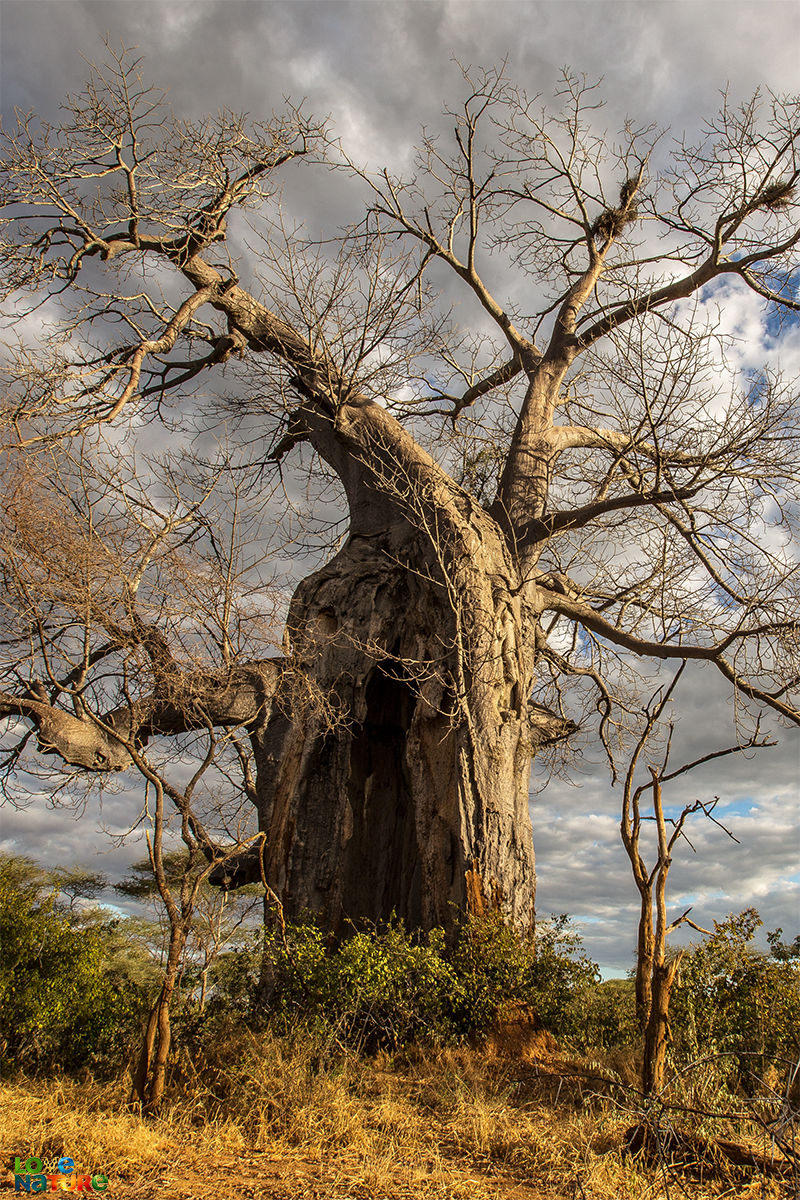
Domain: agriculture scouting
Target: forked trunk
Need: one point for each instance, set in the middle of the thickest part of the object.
(147, 1085)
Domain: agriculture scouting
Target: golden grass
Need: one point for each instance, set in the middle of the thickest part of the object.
(84, 1121)
(429, 1124)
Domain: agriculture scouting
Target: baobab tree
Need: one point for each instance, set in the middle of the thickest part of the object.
(572, 477)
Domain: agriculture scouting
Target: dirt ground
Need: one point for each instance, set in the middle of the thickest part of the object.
(261, 1177)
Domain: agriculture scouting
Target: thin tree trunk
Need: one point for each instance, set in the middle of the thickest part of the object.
(645, 953)
(148, 1082)
(139, 1081)
(155, 1088)
(656, 1036)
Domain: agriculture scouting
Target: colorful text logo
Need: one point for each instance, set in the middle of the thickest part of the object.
(59, 1175)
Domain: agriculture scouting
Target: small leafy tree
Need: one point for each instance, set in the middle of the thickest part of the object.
(218, 916)
(734, 999)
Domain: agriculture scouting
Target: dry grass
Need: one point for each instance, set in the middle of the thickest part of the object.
(444, 1124)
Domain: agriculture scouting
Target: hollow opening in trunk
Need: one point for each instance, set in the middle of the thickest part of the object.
(382, 871)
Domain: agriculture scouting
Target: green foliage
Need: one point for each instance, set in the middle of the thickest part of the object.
(66, 1000)
(783, 951)
(379, 987)
(608, 1018)
(234, 977)
(732, 999)
(387, 987)
(495, 969)
(492, 969)
(75, 987)
(564, 978)
(141, 883)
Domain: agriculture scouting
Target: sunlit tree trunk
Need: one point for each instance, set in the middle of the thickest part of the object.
(657, 1033)
(147, 1086)
(412, 795)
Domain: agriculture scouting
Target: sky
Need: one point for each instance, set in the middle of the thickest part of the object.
(382, 69)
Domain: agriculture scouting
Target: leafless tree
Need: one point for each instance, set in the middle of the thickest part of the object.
(181, 899)
(574, 479)
(101, 590)
(656, 969)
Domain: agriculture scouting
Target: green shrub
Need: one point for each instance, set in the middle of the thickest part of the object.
(63, 1002)
(608, 1017)
(564, 980)
(735, 1000)
(378, 988)
(385, 987)
(493, 969)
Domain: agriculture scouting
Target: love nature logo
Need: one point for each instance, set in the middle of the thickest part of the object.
(54, 1175)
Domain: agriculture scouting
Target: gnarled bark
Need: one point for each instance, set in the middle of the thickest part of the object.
(417, 801)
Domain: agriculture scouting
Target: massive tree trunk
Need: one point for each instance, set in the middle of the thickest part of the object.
(393, 778)
(411, 796)
(393, 743)
(416, 800)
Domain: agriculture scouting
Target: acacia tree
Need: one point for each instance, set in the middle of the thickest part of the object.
(217, 917)
(574, 478)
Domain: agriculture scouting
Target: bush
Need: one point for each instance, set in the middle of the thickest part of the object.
(735, 1000)
(564, 980)
(608, 1020)
(386, 987)
(63, 1005)
(378, 988)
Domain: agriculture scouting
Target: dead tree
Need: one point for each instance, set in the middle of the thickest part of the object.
(481, 604)
(656, 968)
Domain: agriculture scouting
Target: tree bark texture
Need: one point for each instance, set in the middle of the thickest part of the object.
(416, 801)
(656, 1034)
(645, 954)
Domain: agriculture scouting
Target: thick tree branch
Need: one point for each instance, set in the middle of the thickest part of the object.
(242, 696)
(584, 437)
(680, 289)
(584, 514)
